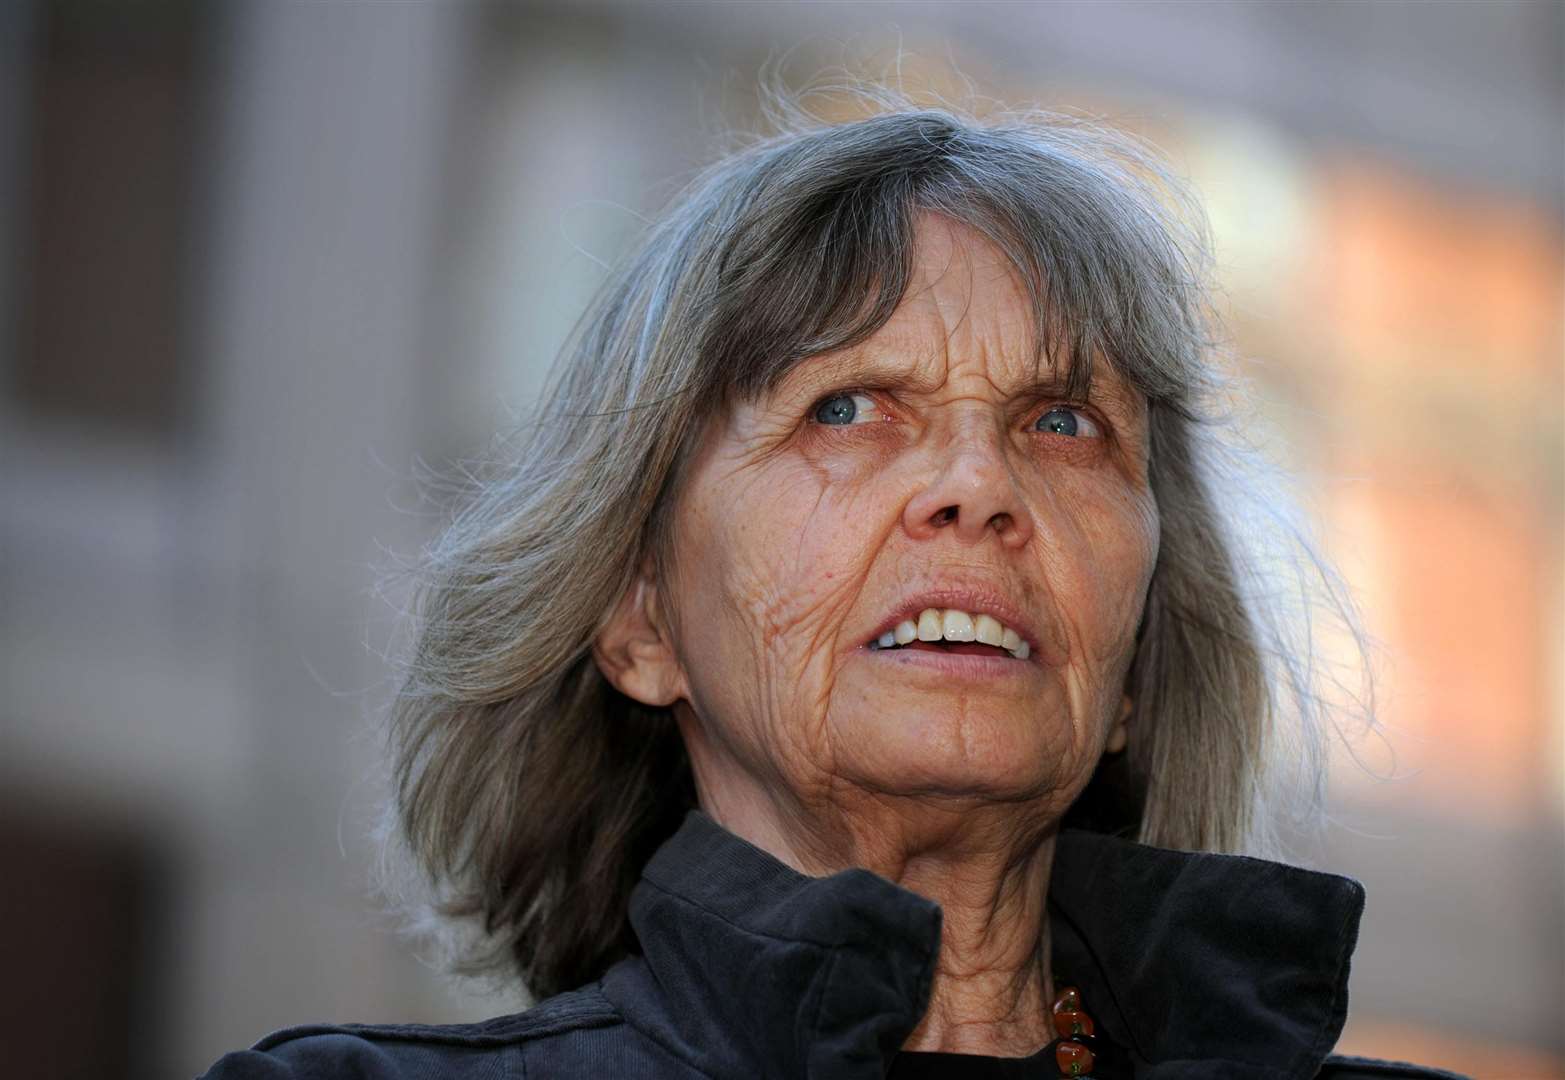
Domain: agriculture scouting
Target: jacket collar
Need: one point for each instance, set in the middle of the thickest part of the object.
(1198, 964)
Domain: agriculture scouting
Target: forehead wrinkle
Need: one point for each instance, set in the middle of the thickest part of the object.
(1010, 332)
(873, 364)
(905, 352)
(956, 251)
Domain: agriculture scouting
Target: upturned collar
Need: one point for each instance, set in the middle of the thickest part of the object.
(1197, 964)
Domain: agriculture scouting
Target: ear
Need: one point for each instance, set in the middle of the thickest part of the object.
(635, 650)
(1119, 734)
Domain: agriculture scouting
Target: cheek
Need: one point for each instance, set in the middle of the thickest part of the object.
(1112, 547)
(777, 553)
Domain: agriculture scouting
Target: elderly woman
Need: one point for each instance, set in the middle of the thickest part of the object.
(854, 673)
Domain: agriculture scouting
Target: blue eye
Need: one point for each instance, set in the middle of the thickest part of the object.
(1063, 420)
(843, 409)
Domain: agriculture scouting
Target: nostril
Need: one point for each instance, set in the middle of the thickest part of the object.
(945, 515)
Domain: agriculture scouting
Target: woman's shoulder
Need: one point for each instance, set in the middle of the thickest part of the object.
(561, 1032)
(398, 1051)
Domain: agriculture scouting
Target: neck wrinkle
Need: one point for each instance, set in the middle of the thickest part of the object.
(993, 987)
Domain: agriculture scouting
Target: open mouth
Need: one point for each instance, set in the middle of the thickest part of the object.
(955, 648)
(952, 631)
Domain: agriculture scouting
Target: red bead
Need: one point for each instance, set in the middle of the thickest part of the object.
(1073, 1058)
(1068, 998)
(1070, 1022)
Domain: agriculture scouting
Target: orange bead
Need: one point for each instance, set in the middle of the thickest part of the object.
(1070, 1022)
(1068, 998)
(1073, 1058)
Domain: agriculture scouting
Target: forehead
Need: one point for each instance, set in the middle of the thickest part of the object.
(964, 300)
(965, 308)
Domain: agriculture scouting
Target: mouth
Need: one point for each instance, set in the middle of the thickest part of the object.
(952, 631)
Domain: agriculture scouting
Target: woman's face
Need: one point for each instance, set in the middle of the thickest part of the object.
(926, 468)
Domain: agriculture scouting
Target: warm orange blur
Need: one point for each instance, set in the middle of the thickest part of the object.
(1436, 319)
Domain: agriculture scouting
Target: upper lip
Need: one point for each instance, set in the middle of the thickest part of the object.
(973, 599)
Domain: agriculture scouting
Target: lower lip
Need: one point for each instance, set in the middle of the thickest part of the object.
(991, 666)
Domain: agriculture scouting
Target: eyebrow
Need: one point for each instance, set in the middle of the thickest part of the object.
(1108, 386)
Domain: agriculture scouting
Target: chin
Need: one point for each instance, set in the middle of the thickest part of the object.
(941, 752)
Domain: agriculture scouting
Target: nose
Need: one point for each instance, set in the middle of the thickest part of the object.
(972, 492)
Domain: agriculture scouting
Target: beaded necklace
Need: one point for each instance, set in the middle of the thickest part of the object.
(1073, 1049)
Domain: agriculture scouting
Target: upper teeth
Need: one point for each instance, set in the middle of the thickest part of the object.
(935, 624)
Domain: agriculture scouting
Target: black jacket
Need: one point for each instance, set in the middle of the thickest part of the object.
(1209, 966)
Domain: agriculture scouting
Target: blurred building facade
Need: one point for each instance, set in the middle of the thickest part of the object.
(258, 260)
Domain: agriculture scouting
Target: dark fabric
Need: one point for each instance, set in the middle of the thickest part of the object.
(1192, 965)
(1183, 953)
(925, 1065)
(1111, 1061)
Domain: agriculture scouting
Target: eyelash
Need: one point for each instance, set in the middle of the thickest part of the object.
(1082, 410)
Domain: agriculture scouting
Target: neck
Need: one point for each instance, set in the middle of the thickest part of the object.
(987, 866)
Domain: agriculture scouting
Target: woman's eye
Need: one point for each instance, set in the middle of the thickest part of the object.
(844, 409)
(1064, 420)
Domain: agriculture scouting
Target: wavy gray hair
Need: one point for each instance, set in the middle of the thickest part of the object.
(528, 793)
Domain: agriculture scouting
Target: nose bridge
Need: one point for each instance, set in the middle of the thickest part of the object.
(973, 429)
(969, 487)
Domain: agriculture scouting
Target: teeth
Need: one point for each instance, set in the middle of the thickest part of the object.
(988, 630)
(952, 625)
(957, 626)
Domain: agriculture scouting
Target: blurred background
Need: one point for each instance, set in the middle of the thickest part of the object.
(258, 260)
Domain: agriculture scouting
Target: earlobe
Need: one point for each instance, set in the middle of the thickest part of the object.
(634, 649)
(1119, 734)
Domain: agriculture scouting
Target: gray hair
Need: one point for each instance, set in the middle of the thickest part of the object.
(528, 793)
